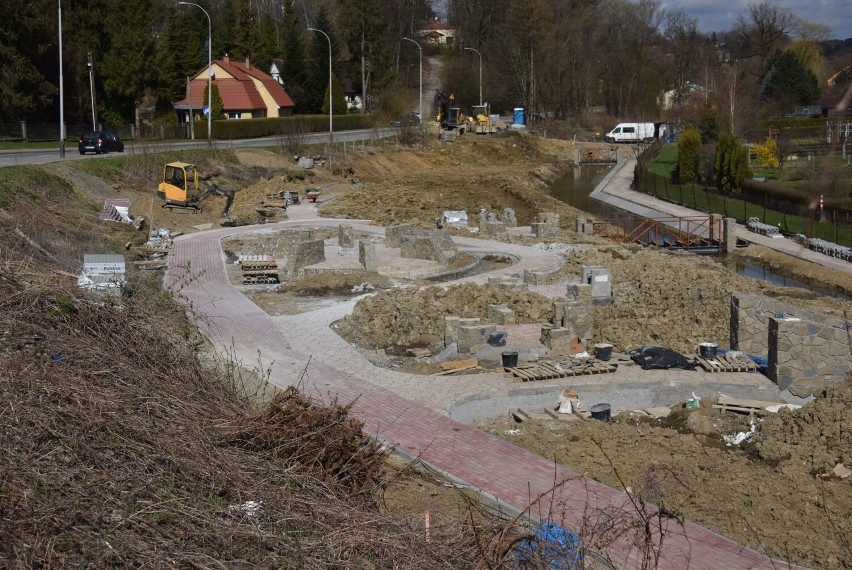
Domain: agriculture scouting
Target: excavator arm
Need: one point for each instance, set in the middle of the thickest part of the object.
(217, 190)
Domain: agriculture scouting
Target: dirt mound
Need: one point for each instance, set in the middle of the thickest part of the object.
(406, 317)
(683, 464)
(675, 300)
(816, 436)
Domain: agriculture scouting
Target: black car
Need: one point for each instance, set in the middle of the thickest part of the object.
(99, 142)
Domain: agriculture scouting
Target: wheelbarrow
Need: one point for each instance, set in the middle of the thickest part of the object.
(312, 195)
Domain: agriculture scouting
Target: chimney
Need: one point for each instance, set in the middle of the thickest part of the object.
(227, 60)
(248, 64)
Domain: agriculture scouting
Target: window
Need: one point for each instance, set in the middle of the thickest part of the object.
(629, 130)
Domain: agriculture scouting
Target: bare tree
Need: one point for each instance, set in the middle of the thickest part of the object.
(681, 31)
(763, 29)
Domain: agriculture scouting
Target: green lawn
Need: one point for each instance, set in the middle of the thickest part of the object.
(658, 183)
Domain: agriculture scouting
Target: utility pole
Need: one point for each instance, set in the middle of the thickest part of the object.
(61, 91)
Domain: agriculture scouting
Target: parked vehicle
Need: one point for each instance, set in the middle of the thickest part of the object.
(410, 120)
(636, 132)
(99, 142)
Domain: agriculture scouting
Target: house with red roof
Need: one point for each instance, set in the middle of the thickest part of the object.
(435, 32)
(246, 91)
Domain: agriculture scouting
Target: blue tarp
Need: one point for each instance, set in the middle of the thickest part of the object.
(552, 544)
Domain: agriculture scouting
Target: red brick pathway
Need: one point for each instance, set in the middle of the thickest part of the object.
(499, 469)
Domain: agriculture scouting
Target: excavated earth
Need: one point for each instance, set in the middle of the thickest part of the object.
(778, 494)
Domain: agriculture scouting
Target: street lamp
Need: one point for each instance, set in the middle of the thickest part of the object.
(480, 72)
(420, 117)
(61, 91)
(330, 94)
(92, 90)
(209, 72)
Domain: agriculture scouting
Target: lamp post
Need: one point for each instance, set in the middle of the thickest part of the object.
(209, 72)
(480, 71)
(61, 91)
(92, 90)
(330, 94)
(420, 116)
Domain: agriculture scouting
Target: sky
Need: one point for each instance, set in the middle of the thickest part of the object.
(716, 15)
(721, 15)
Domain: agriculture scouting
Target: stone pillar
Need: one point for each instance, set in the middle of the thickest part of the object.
(730, 235)
(601, 282)
(580, 292)
(344, 236)
(586, 273)
(471, 337)
(367, 255)
(510, 218)
(501, 314)
(578, 320)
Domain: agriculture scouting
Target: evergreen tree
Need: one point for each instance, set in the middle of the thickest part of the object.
(731, 164)
(218, 107)
(294, 73)
(266, 48)
(181, 51)
(687, 155)
(364, 30)
(788, 83)
(245, 32)
(127, 57)
(339, 107)
(224, 24)
(318, 67)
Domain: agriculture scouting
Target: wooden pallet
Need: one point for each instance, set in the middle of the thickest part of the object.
(258, 265)
(726, 364)
(548, 370)
(738, 405)
(263, 279)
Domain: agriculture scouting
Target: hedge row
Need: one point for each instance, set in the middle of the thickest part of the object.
(792, 123)
(253, 128)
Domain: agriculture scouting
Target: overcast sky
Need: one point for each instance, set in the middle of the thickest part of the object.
(719, 15)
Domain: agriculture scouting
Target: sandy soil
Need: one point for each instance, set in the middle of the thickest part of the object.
(770, 495)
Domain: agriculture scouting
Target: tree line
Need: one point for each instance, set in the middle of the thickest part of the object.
(557, 58)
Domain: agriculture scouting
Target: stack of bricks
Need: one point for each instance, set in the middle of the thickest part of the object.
(576, 318)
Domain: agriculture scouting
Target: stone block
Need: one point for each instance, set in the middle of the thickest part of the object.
(501, 314)
(393, 234)
(601, 283)
(345, 236)
(510, 218)
(471, 336)
(494, 228)
(580, 292)
(367, 255)
(535, 277)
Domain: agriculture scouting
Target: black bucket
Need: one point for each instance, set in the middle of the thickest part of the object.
(510, 359)
(603, 351)
(707, 350)
(497, 339)
(600, 412)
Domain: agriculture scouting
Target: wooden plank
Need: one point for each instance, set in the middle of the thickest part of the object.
(728, 400)
(454, 370)
(459, 364)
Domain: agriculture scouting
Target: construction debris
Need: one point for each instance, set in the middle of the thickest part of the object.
(118, 210)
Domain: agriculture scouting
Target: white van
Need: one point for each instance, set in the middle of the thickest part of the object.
(636, 132)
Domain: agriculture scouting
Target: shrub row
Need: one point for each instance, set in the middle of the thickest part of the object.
(792, 123)
(254, 128)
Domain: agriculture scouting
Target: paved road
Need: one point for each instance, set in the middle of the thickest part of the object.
(44, 156)
(501, 471)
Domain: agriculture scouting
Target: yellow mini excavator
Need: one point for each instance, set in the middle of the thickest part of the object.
(179, 190)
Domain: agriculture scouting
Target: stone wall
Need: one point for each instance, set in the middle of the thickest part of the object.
(433, 245)
(393, 234)
(804, 349)
(304, 254)
(804, 355)
(277, 244)
(749, 325)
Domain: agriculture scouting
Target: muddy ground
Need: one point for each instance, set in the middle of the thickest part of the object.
(771, 495)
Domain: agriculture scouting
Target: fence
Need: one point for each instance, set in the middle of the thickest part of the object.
(830, 224)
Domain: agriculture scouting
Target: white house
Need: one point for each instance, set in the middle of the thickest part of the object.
(440, 33)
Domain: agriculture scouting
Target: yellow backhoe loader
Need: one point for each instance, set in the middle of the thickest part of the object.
(179, 190)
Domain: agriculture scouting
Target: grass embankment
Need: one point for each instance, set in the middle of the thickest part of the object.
(701, 198)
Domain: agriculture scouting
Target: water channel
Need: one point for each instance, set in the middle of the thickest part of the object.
(574, 189)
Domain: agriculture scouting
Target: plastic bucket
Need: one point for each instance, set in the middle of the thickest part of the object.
(601, 412)
(707, 350)
(510, 359)
(603, 351)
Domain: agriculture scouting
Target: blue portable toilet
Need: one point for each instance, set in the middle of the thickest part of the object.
(519, 118)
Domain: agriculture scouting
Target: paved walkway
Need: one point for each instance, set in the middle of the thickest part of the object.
(615, 190)
(300, 350)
